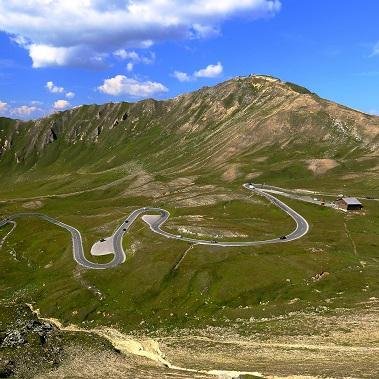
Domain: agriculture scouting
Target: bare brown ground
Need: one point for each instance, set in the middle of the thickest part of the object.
(321, 166)
(231, 173)
(344, 344)
(35, 204)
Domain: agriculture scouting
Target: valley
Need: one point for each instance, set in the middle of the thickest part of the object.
(301, 306)
(155, 226)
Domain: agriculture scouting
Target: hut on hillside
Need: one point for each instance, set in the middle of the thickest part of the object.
(349, 203)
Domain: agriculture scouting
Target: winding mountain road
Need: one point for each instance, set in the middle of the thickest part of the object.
(155, 225)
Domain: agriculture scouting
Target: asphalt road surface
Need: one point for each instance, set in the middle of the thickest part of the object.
(119, 256)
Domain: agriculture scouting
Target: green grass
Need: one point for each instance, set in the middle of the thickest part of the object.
(211, 286)
(151, 148)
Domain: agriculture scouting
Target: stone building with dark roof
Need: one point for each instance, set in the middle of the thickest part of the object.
(349, 203)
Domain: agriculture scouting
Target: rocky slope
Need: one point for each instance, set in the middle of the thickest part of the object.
(223, 129)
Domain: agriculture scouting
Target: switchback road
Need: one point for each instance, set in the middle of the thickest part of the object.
(155, 225)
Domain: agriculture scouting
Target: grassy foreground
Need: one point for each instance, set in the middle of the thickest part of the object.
(334, 265)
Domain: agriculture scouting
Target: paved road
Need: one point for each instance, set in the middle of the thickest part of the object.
(301, 229)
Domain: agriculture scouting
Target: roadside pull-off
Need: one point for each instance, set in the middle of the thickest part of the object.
(113, 244)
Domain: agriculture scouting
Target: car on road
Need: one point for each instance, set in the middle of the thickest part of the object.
(102, 239)
(214, 241)
(124, 229)
(283, 237)
(126, 221)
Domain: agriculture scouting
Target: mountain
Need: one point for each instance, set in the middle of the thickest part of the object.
(227, 131)
(91, 166)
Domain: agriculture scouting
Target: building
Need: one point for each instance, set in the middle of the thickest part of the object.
(349, 203)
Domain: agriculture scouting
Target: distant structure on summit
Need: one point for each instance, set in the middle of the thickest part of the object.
(349, 203)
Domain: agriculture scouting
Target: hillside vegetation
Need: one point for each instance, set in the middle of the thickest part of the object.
(92, 165)
(253, 127)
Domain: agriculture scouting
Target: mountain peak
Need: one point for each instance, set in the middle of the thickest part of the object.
(232, 119)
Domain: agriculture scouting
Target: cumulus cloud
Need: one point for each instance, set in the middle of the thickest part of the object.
(3, 106)
(59, 90)
(21, 111)
(85, 32)
(61, 104)
(24, 110)
(124, 54)
(53, 88)
(134, 58)
(81, 56)
(122, 85)
(181, 76)
(211, 71)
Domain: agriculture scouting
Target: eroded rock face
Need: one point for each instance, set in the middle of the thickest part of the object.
(28, 345)
(19, 337)
(39, 327)
(13, 338)
(52, 136)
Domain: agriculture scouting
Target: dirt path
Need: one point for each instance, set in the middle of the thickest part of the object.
(283, 345)
(182, 257)
(351, 239)
(8, 234)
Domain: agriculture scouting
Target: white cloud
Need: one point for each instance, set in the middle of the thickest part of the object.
(134, 58)
(204, 31)
(24, 110)
(375, 50)
(59, 90)
(182, 76)
(53, 88)
(3, 106)
(61, 104)
(85, 32)
(122, 85)
(81, 56)
(211, 71)
(124, 54)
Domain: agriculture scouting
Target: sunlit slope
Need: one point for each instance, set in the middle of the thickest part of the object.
(255, 127)
(93, 165)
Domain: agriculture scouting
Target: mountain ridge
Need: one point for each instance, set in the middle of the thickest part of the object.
(223, 129)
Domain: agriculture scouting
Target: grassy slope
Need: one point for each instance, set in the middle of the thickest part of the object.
(211, 285)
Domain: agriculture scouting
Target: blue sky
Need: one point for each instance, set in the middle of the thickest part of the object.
(57, 54)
